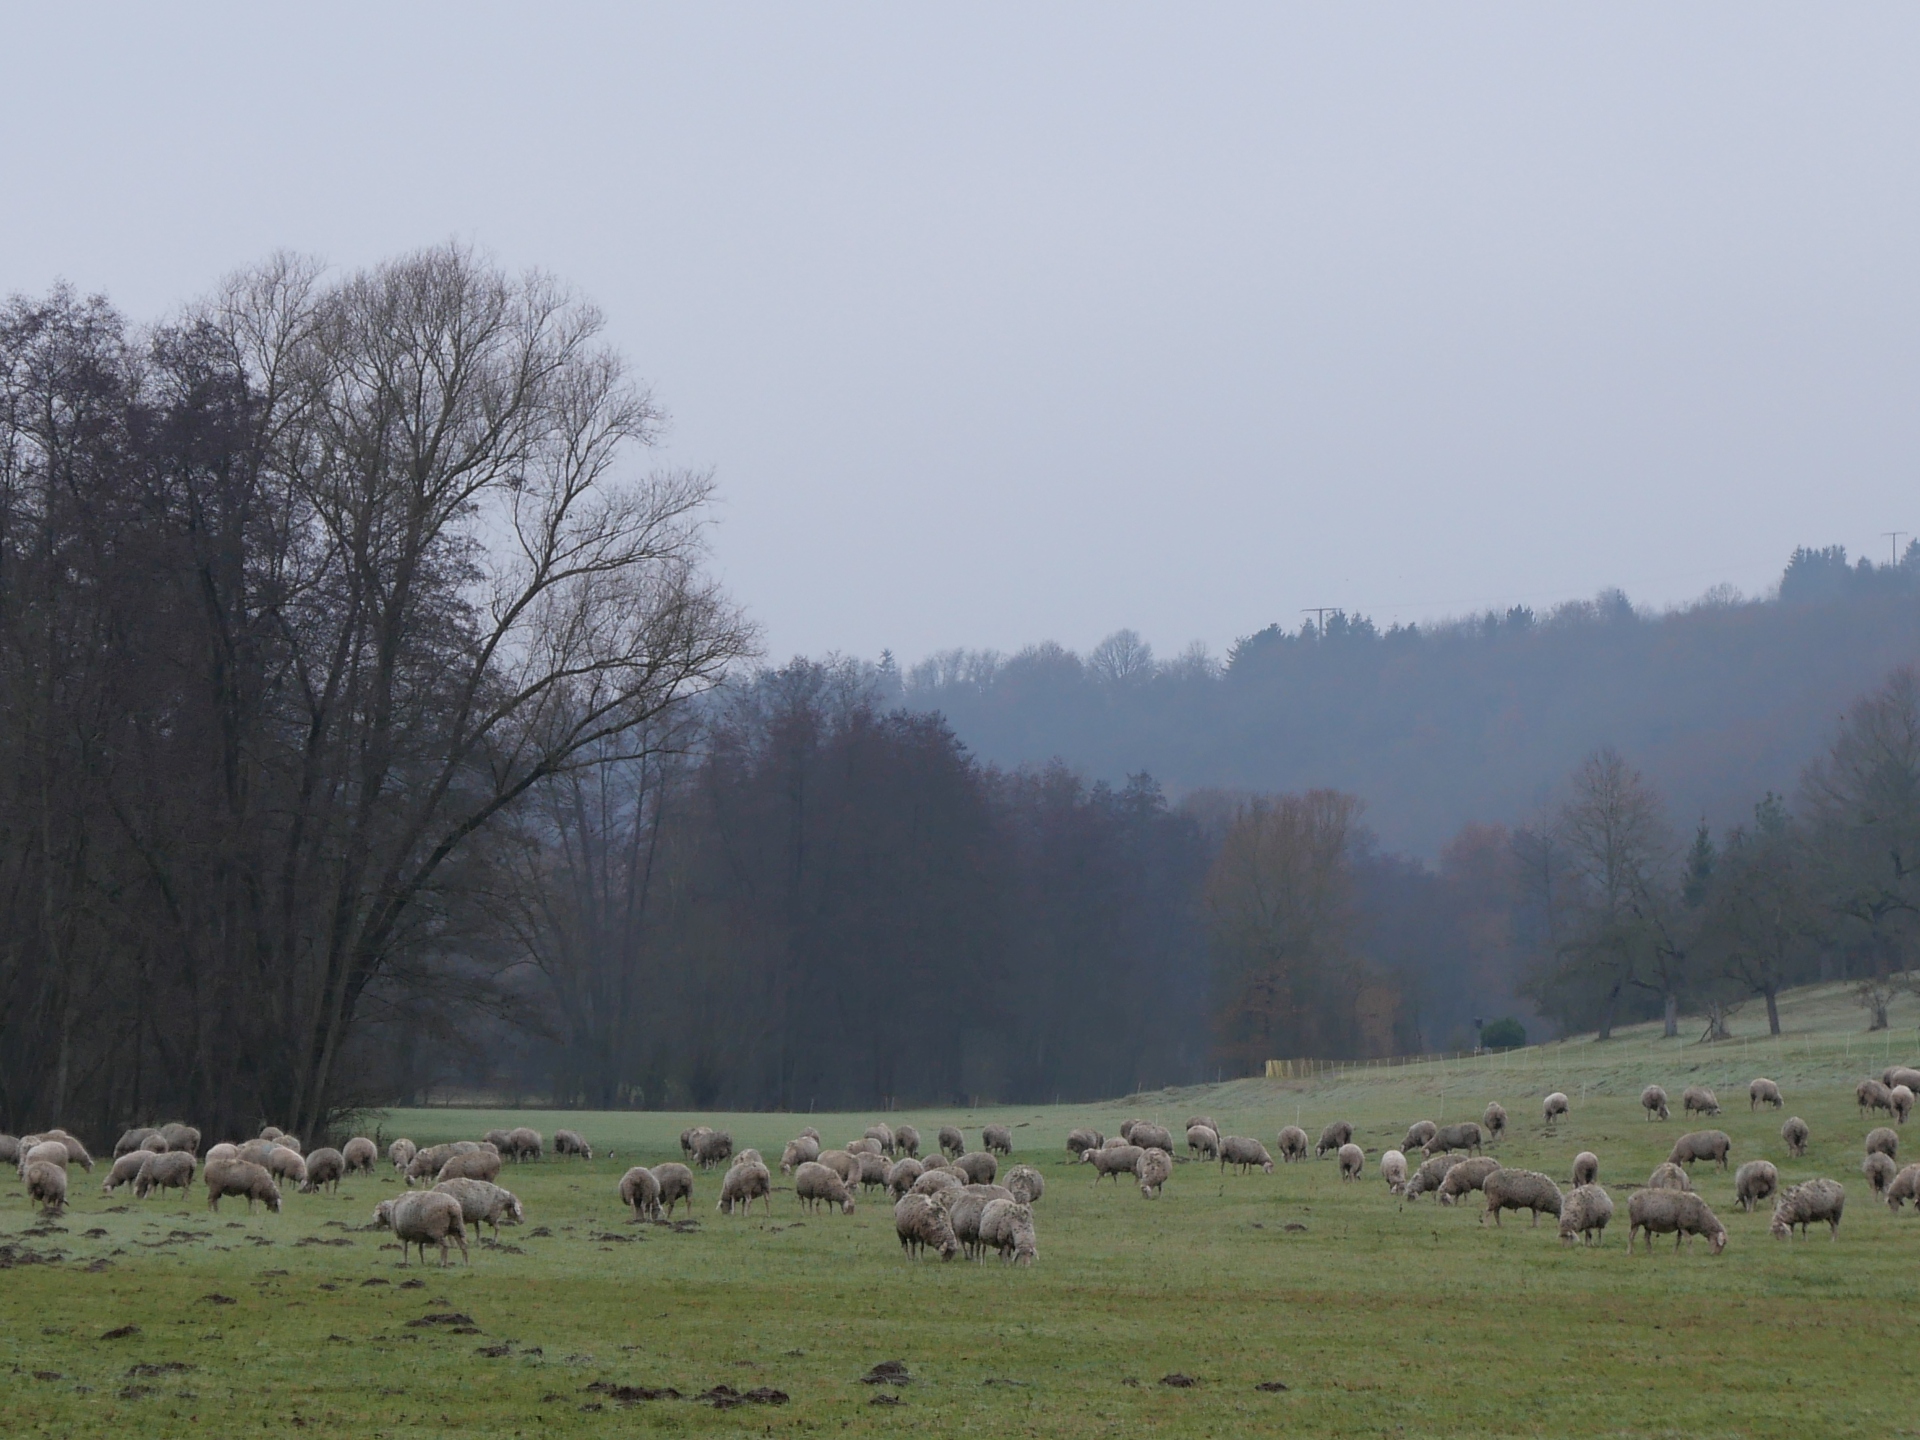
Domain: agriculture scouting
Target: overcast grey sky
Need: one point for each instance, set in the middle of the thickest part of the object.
(1022, 322)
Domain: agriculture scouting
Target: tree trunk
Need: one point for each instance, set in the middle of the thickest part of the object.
(1773, 1013)
(1673, 1016)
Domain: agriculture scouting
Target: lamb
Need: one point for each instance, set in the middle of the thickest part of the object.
(1585, 1213)
(1586, 1168)
(240, 1177)
(1151, 1137)
(1117, 1160)
(952, 1142)
(1553, 1107)
(1463, 1136)
(1025, 1184)
(1332, 1138)
(1678, 1213)
(527, 1145)
(1202, 1143)
(126, 1168)
(1796, 1134)
(1494, 1117)
(1904, 1186)
(901, 1175)
(1872, 1095)
(800, 1150)
(424, 1217)
(1520, 1190)
(571, 1142)
(998, 1140)
(1418, 1134)
(325, 1166)
(1901, 1075)
(1807, 1203)
(1669, 1176)
(1713, 1145)
(1246, 1152)
(921, 1224)
(1763, 1092)
(1879, 1171)
(1902, 1103)
(1699, 1098)
(980, 1167)
(1654, 1101)
(639, 1192)
(908, 1139)
(935, 1181)
(1353, 1161)
(400, 1154)
(483, 1203)
(690, 1140)
(814, 1183)
(223, 1151)
(1292, 1144)
(1428, 1177)
(1079, 1141)
(1153, 1169)
(181, 1137)
(1393, 1170)
(1007, 1227)
(287, 1164)
(676, 1184)
(134, 1140)
(713, 1147)
(1885, 1141)
(1753, 1182)
(47, 1186)
(882, 1135)
(1467, 1175)
(744, 1184)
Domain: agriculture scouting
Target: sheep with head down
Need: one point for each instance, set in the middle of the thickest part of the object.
(881, 1135)
(1418, 1134)
(1586, 1168)
(1902, 1099)
(1153, 1169)
(242, 1178)
(1427, 1179)
(1353, 1161)
(286, 1163)
(1871, 1095)
(1901, 1187)
(1151, 1137)
(126, 1169)
(1796, 1134)
(1465, 1177)
(1653, 1100)
(1112, 1161)
(901, 1175)
(1006, 1227)
(923, 1225)
(952, 1142)
(1463, 1136)
(745, 1183)
(400, 1154)
(172, 1170)
(980, 1167)
(1332, 1136)
(1244, 1153)
(1679, 1213)
(934, 1181)
(799, 1151)
(1879, 1170)
(1025, 1184)
(1753, 1182)
(1809, 1203)
(423, 1218)
(1494, 1117)
(1081, 1140)
(1761, 1091)
(906, 1140)
(571, 1142)
(1884, 1141)
(135, 1139)
(325, 1166)
(359, 1156)
(1292, 1144)
(815, 1185)
(483, 1203)
(1699, 1099)
(1520, 1190)
(1715, 1145)
(1554, 1108)
(676, 1184)
(1202, 1143)
(1669, 1176)
(47, 1186)
(1393, 1170)
(639, 1192)
(1584, 1215)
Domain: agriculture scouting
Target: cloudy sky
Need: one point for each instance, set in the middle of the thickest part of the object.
(1001, 323)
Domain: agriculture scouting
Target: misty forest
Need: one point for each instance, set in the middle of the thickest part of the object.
(371, 729)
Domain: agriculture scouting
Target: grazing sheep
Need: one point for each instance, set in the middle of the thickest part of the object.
(1585, 1213)
(1112, 1160)
(1202, 1143)
(1126, 1129)
(745, 1183)
(901, 1175)
(873, 1170)
(1006, 1227)
(690, 1140)
(1753, 1182)
(1713, 1145)
(800, 1151)
(1292, 1144)
(1586, 1168)
(1669, 1176)
(1467, 1175)
(484, 1203)
(126, 1169)
(50, 1152)
(271, 1132)
(500, 1139)
(934, 1181)
(1393, 1170)
(1678, 1213)
(1763, 1092)
(865, 1145)
(1464, 1136)
(1494, 1117)
(1872, 1095)
(963, 1213)
(571, 1142)
(181, 1137)
(1902, 1099)
(425, 1164)
(814, 1183)
(1904, 1186)
(1083, 1140)
(1885, 1141)
(155, 1144)
(291, 1142)
(325, 1166)
(1879, 1170)
(47, 1186)
(998, 1140)
(1427, 1178)
(358, 1156)
(921, 1224)
(423, 1218)
(713, 1147)
(287, 1164)
(1153, 1169)
(1698, 1098)
(133, 1140)
(1336, 1134)
(240, 1177)
(1151, 1137)
(1353, 1161)
(1806, 1204)
(1418, 1134)
(1901, 1075)
(980, 1167)
(475, 1165)
(881, 1135)
(843, 1163)
(76, 1152)
(952, 1142)
(1025, 1184)
(1796, 1134)
(222, 1151)
(400, 1154)
(1654, 1101)
(639, 1192)
(1520, 1190)
(1553, 1107)
(10, 1149)
(1112, 1142)
(908, 1139)
(527, 1145)
(1246, 1152)
(676, 1184)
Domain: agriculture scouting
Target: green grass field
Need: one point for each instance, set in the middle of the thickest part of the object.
(1378, 1318)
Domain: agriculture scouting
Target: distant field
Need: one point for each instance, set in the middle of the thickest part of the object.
(1377, 1317)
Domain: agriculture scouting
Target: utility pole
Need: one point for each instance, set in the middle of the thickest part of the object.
(1320, 613)
(1892, 537)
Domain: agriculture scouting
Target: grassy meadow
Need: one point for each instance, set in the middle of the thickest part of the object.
(1377, 1317)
